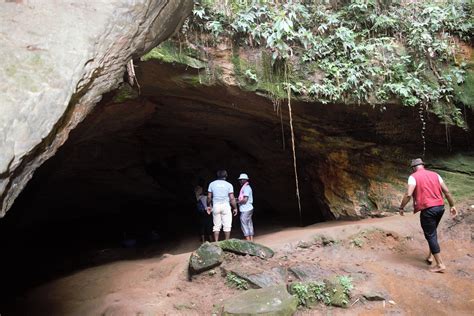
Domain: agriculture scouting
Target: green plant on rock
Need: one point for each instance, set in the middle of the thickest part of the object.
(357, 242)
(346, 283)
(364, 51)
(234, 281)
(310, 293)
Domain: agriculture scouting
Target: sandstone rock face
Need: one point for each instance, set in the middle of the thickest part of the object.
(58, 58)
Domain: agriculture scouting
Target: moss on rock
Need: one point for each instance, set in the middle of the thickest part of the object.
(244, 247)
(205, 258)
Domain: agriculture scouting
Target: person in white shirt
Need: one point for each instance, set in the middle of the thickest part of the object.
(220, 194)
(245, 202)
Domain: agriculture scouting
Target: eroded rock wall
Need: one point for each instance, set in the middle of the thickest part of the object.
(58, 58)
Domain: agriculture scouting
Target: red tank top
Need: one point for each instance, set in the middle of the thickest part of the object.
(428, 191)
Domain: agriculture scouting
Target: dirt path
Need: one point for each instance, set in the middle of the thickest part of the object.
(381, 255)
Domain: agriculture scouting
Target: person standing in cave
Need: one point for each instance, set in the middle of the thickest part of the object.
(427, 187)
(245, 202)
(220, 194)
(204, 218)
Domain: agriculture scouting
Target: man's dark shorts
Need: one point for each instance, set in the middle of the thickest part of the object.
(429, 219)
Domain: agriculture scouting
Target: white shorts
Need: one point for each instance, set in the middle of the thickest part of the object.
(222, 216)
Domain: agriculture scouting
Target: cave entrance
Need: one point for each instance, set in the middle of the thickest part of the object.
(128, 172)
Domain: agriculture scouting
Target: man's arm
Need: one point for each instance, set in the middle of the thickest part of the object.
(406, 198)
(209, 202)
(449, 197)
(244, 200)
(232, 202)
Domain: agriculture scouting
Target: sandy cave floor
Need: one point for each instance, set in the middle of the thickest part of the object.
(390, 260)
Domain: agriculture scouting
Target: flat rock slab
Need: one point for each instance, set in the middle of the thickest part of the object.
(205, 258)
(309, 272)
(274, 300)
(260, 278)
(244, 247)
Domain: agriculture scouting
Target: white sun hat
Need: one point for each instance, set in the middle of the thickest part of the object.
(243, 176)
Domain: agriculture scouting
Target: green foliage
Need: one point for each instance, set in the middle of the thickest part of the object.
(367, 51)
(346, 283)
(357, 242)
(310, 293)
(234, 281)
(167, 52)
(125, 93)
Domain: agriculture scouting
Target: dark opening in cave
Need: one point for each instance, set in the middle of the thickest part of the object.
(127, 174)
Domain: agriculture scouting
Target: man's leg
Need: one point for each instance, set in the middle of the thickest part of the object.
(244, 224)
(227, 221)
(429, 257)
(429, 220)
(250, 225)
(217, 220)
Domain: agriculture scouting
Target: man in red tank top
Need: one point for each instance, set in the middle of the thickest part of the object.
(427, 189)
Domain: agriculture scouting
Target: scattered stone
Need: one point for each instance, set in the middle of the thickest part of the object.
(324, 240)
(374, 296)
(244, 247)
(205, 258)
(274, 300)
(212, 272)
(303, 244)
(392, 302)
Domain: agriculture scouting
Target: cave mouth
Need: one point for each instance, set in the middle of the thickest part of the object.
(125, 180)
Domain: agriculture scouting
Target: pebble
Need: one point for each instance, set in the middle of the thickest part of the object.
(392, 302)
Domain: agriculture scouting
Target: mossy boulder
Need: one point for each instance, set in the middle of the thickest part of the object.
(337, 295)
(205, 258)
(244, 247)
(273, 300)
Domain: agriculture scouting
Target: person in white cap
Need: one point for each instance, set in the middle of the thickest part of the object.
(427, 189)
(245, 202)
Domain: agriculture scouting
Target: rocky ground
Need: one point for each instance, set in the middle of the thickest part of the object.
(383, 257)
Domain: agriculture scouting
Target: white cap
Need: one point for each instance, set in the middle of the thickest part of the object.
(243, 176)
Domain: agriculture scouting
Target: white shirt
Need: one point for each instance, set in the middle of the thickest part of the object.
(220, 190)
(247, 206)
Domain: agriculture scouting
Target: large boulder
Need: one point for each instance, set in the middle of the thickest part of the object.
(205, 258)
(58, 58)
(244, 247)
(274, 300)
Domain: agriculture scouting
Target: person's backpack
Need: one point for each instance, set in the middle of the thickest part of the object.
(200, 207)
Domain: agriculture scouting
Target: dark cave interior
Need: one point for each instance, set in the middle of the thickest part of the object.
(122, 187)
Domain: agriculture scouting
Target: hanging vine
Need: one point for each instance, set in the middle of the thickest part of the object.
(297, 185)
